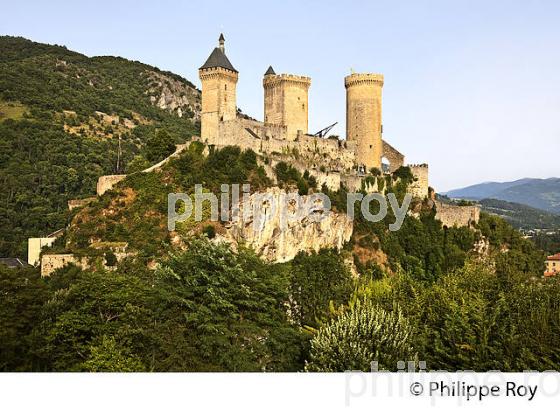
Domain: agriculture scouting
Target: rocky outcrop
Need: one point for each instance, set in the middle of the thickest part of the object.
(278, 226)
(170, 94)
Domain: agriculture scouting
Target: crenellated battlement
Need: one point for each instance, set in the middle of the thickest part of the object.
(216, 72)
(424, 165)
(361, 79)
(275, 80)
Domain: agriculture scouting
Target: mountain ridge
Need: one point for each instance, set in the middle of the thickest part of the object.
(540, 193)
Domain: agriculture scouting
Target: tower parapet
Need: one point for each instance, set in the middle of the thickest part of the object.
(286, 101)
(363, 116)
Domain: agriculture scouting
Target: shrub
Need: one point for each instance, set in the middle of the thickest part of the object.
(110, 259)
(359, 336)
(209, 231)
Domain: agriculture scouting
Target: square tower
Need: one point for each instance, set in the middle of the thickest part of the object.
(219, 82)
(286, 101)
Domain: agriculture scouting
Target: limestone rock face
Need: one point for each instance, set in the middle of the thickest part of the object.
(174, 96)
(278, 225)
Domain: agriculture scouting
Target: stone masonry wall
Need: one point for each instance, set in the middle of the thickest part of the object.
(419, 188)
(453, 215)
(395, 158)
(106, 182)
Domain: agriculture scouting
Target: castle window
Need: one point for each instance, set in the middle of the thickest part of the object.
(225, 87)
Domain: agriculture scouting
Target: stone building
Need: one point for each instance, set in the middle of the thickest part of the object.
(284, 132)
(552, 265)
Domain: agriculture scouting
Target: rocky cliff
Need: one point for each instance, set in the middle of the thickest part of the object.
(278, 227)
(170, 94)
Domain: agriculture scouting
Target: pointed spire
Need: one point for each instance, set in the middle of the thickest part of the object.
(270, 71)
(221, 42)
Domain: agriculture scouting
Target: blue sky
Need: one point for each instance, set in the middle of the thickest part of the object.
(471, 87)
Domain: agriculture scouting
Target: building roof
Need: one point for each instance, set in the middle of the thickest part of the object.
(270, 71)
(555, 257)
(221, 37)
(218, 59)
(13, 263)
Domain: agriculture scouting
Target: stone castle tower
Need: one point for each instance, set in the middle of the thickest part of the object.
(363, 117)
(219, 81)
(286, 101)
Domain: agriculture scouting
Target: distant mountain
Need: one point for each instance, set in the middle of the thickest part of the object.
(521, 216)
(537, 193)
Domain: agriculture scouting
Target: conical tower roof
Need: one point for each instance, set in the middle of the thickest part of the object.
(218, 57)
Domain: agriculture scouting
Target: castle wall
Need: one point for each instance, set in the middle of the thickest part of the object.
(78, 203)
(34, 246)
(50, 263)
(419, 188)
(315, 153)
(106, 182)
(454, 215)
(333, 154)
(363, 116)
(395, 158)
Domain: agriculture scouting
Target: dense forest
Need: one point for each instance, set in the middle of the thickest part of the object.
(54, 143)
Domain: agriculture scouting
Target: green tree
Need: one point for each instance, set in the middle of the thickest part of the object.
(228, 309)
(317, 280)
(108, 356)
(159, 146)
(23, 295)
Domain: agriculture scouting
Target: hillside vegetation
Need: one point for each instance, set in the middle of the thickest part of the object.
(521, 216)
(61, 115)
(180, 302)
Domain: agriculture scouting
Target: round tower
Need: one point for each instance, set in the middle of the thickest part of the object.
(363, 117)
(286, 101)
(219, 81)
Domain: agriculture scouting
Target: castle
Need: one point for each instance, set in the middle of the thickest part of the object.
(284, 131)
(284, 136)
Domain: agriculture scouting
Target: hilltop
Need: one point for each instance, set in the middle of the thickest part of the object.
(62, 115)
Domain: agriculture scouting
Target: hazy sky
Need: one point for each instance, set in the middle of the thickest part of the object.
(471, 87)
